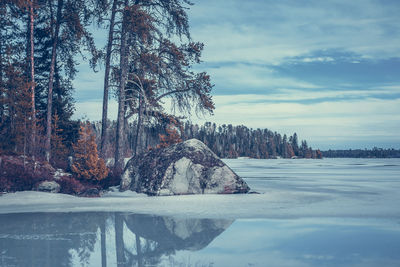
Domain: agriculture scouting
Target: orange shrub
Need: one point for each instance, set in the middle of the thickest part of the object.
(87, 164)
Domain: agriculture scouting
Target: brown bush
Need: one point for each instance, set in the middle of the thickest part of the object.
(19, 173)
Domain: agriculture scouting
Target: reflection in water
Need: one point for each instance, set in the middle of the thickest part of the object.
(157, 236)
(120, 239)
(67, 239)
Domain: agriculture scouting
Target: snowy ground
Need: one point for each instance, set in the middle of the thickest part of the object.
(356, 188)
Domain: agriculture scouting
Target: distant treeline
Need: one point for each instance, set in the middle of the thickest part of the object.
(226, 141)
(229, 141)
(363, 153)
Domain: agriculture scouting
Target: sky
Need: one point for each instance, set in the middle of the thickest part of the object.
(327, 70)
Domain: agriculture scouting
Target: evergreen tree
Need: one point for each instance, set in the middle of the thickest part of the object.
(295, 144)
(87, 164)
(15, 101)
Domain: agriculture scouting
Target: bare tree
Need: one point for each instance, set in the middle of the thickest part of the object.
(32, 73)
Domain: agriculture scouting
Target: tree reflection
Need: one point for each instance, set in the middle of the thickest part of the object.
(67, 239)
(45, 239)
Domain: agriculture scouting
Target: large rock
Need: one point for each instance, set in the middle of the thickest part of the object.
(186, 168)
(49, 186)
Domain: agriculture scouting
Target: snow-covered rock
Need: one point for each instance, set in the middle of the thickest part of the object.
(59, 173)
(49, 186)
(185, 168)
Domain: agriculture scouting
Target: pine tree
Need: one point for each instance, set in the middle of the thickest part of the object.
(87, 164)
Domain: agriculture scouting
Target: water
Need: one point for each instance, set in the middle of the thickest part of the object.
(331, 212)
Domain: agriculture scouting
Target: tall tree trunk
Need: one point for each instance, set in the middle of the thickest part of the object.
(139, 251)
(106, 81)
(1, 79)
(25, 139)
(139, 125)
(103, 242)
(51, 78)
(119, 150)
(32, 59)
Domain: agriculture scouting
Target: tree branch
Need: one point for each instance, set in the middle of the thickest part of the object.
(172, 92)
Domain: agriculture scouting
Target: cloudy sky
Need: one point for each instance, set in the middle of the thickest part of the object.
(328, 70)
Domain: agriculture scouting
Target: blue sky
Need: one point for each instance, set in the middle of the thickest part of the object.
(328, 70)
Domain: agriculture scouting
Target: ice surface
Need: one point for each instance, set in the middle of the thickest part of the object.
(289, 189)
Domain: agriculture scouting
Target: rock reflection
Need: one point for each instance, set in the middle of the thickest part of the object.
(157, 236)
(68, 239)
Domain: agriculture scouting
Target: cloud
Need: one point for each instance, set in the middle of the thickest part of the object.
(312, 97)
(318, 59)
(271, 31)
(245, 77)
(92, 110)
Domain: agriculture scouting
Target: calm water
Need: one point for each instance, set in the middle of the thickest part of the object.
(126, 239)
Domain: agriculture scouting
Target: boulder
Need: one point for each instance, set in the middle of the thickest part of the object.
(49, 186)
(185, 168)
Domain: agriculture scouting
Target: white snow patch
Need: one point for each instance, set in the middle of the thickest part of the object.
(182, 177)
(180, 183)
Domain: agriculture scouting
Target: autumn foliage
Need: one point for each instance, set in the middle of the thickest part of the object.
(87, 164)
(172, 135)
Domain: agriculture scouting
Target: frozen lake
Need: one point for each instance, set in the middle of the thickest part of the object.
(331, 212)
